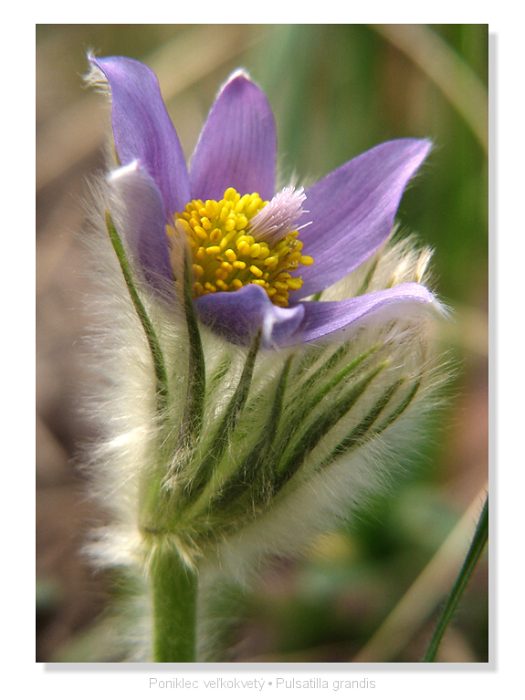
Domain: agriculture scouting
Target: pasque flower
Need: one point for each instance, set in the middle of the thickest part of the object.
(254, 264)
(266, 351)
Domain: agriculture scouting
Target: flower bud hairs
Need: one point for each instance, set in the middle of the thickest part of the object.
(266, 350)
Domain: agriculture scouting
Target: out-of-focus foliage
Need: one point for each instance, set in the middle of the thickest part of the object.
(336, 90)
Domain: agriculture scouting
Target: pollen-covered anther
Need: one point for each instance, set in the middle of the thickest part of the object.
(242, 240)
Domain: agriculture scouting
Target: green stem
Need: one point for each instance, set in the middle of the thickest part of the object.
(174, 588)
(207, 477)
(476, 549)
(194, 410)
(151, 337)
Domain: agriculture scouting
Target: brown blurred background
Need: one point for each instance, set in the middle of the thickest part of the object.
(365, 592)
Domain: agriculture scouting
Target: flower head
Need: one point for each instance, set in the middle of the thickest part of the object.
(258, 254)
(268, 347)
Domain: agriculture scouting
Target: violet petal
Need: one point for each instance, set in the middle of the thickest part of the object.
(143, 130)
(137, 208)
(237, 145)
(240, 315)
(321, 319)
(352, 210)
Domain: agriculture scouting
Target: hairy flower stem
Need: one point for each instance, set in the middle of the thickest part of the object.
(174, 591)
(149, 330)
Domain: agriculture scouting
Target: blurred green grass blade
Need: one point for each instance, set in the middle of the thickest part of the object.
(476, 549)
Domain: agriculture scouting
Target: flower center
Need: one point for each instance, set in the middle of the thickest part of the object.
(230, 250)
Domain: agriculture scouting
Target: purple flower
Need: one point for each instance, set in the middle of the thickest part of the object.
(289, 252)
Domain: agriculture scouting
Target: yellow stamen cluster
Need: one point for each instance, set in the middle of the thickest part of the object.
(227, 257)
